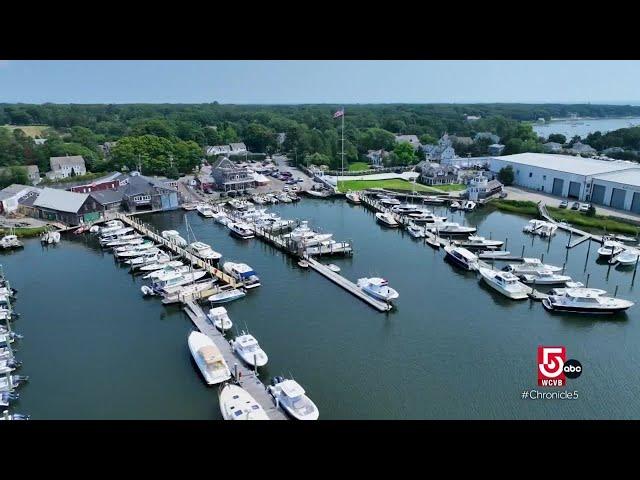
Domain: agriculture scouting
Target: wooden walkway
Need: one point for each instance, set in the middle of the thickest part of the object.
(140, 227)
(542, 209)
(243, 376)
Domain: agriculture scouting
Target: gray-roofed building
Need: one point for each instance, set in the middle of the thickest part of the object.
(410, 139)
(66, 207)
(143, 193)
(552, 147)
(109, 200)
(10, 196)
(237, 148)
(496, 149)
(63, 167)
(437, 174)
(580, 148)
(488, 136)
(228, 176)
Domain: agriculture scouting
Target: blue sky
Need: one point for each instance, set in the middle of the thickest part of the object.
(319, 81)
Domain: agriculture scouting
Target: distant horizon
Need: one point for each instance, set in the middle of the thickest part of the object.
(319, 82)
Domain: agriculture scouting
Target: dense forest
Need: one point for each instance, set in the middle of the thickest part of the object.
(169, 139)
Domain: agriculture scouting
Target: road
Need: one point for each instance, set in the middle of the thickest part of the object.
(517, 193)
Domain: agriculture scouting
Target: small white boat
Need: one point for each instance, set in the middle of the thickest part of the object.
(243, 273)
(170, 282)
(151, 255)
(6, 398)
(289, 395)
(389, 201)
(205, 210)
(174, 237)
(10, 241)
(386, 219)
(506, 283)
(14, 416)
(220, 318)
(9, 382)
(626, 258)
(378, 288)
(545, 277)
(353, 197)
(547, 230)
(477, 242)
(247, 347)
(50, 238)
(304, 234)
(405, 209)
(177, 267)
(415, 231)
(189, 291)
(333, 267)
(226, 296)
(568, 285)
(153, 267)
(303, 264)
(450, 228)
(455, 205)
(110, 227)
(207, 356)
(610, 248)
(240, 230)
(468, 206)
(426, 216)
(221, 218)
(533, 225)
(238, 404)
(189, 206)
(461, 257)
(204, 251)
(581, 300)
(531, 266)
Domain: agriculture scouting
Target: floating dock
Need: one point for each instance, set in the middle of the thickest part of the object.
(243, 376)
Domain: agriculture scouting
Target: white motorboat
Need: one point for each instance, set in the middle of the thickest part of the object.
(386, 219)
(506, 283)
(626, 258)
(239, 204)
(220, 318)
(135, 251)
(50, 238)
(283, 197)
(247, 347)
(8, 366)
(6, 338)
(132, 248)
(174, 237)
(389, 201)
(14, 416)
(207, 356)
(258, 200)
(378, 288)
(238, 404)
(415, 231)
(433, 200)
(450, 228)
(531, 266)
(6, 398)
(468, 206)
(455, 205)
(189, 291)
(205, 210)
(110, 227)
(405, 209)
(161, 265)
(581, 300)
(333, 267)
(289, 395)
(221, 217)
(243, 273)
(610, 248)
(461, 257)
(226, 296)
(568, 285)
(204, 251)
(425, 216)
(477, 242)
(305, 235)
(111, 242)
(547, 230)
(353, 197)
(170, 282)
(119, 233)
(240, 230)
(177, 266)
(533, 225)
(189, 206)
(9, 382)
(151, 255)
(545, 277)
(10, 242)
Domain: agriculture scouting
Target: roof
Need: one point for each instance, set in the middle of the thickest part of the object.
(210, 354)
(238, 146)
(57, 162)
(630, 177)
(104, 197)
(14, 189)
(139, 185)
(566, 163)
(60, 200)
(407, 138)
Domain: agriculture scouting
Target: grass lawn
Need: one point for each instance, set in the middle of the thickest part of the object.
(30, 130)
(358, 166)
(23, 232)
(515, 206)
(454, 187)
(391, 184)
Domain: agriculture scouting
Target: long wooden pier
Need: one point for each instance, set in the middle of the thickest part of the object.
(243, 376)
(140, 227)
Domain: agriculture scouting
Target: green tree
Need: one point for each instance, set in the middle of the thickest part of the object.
(505, 175)
(376, 139)
(557, 138)
(405, 153)
(427, 139)
(14, 174)
(258, 137)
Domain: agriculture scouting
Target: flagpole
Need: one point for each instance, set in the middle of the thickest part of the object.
(343, 141)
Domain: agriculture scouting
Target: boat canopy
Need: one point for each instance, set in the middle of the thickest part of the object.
(210, 354)
(291, 388)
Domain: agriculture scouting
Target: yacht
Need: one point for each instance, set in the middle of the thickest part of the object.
(205, 210)
(506, 283)
(226, 296)
(533, 225)
(289, 395)
(10, 241)
(6, 398)
(378, 288)
(174, 237)
(455, 205)
(389, 202)
(569, 285)
(477, 242)
(240, 230)
(610, 248)
(547, 230)
(304, 234)
(221, 217)
(14, 416)
(189, 206)
(9, 382)
(243, 273)
(468, 206)
(450, 228)
(545, 277)
(50, 238)
(148, 256)
(405, 209)
(461, 257)
(220, 318)
(177, 266)
(161, 265)
(353, 197)
(208, 358)
(425, 216)
(169, 282)
(387, 220)
(531, 266)
(204, 251)
(238, 404)
(415, 231)
(626, 258)
(580, 300)
(249, 350)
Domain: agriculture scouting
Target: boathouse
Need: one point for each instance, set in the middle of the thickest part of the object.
(140, 193)
(67, 207)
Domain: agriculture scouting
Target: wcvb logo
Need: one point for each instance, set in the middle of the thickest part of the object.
(554, 368)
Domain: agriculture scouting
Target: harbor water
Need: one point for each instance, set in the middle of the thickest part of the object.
(94, 348)
(584, 126)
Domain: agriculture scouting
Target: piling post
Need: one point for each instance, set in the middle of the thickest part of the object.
(542, 257)
(588, 277)
(569, 241)
(235, 371)
(635, 268)
(255, 360)
(522, 254)
(563, 266)
(506, 243)
(615, 294)
(587, 257)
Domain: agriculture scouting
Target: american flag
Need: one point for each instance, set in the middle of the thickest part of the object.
(339, 113)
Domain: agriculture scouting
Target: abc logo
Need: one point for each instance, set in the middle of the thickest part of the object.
(572, 368)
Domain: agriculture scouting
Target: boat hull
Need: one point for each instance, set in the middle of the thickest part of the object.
(554, 307)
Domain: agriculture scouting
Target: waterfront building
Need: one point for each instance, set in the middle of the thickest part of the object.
(480, 187)
(437, 174)
(67, 207)
(140, 193)
(218, 150)
(237, 148)
(63, 167)
(580, 148)
(10, 196)
(228, 176)
(442, 152)
(108, 200)
(107, 182)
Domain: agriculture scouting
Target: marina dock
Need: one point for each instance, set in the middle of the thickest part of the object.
(245, 378)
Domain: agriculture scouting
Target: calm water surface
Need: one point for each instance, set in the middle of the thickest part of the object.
(94, 348)
(570, 128)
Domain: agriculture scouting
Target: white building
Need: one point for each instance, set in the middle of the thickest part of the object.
(63, 167)
(443, 152)
(218, 150)
(610, 183)
(237, 148)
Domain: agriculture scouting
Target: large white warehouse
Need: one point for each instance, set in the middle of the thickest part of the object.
(610, 183)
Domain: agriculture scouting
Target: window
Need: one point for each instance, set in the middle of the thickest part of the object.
(544, 177)
(142, 198)
(530, 174)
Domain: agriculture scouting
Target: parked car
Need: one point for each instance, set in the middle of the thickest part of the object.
(299, 179)
(285, 189)
(575, 206)
(503, 195)
(564, 204)
(584, 207)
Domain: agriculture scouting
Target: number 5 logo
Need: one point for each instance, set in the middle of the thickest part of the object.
(550, 366)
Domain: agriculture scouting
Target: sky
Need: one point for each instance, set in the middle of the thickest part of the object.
(316, 81)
